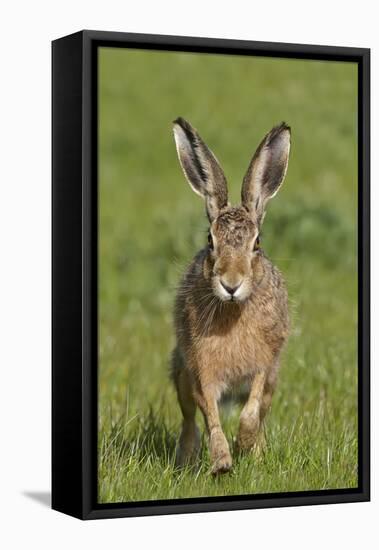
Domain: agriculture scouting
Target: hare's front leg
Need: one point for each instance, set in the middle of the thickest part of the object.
(256, 407)
(250, 419)
(221, 459)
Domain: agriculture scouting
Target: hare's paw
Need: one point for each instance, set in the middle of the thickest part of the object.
(220, 454)
(260, 444)
(222, 464)
(248, 432)
(254, 443)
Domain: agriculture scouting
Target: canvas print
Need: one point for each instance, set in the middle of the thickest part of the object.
(227, 275)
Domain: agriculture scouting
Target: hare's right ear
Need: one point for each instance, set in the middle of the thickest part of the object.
(200, 167)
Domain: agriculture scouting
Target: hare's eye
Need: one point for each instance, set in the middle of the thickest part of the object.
(210, 241)
(257, 244)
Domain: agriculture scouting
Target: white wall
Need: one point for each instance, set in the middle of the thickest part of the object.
(26, 31)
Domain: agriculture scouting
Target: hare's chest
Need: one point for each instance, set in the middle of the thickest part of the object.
(234, 354)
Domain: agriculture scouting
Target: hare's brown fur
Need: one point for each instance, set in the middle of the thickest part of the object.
(231, 313)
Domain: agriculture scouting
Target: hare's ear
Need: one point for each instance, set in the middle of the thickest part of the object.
(200, 167)
(266, 171)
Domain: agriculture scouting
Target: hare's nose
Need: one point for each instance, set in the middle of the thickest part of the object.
(230, 289)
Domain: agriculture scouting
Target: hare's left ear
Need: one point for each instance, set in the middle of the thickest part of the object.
(266, 171)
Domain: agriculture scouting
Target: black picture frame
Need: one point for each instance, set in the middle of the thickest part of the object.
(74, 273)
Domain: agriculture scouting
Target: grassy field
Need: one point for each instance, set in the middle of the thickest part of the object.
(151, 224)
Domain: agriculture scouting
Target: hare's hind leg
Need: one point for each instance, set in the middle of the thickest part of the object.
(189, 441)
(250, 433)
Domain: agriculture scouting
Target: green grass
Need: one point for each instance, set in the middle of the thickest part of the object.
(151, 224)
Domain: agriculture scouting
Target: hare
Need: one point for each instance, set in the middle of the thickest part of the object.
(231, 313)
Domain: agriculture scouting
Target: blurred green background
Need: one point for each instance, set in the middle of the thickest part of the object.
(150, 226)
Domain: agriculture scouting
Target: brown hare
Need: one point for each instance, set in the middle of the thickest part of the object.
(231, 314)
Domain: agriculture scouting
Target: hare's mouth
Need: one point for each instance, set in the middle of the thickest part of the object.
(227, 293)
